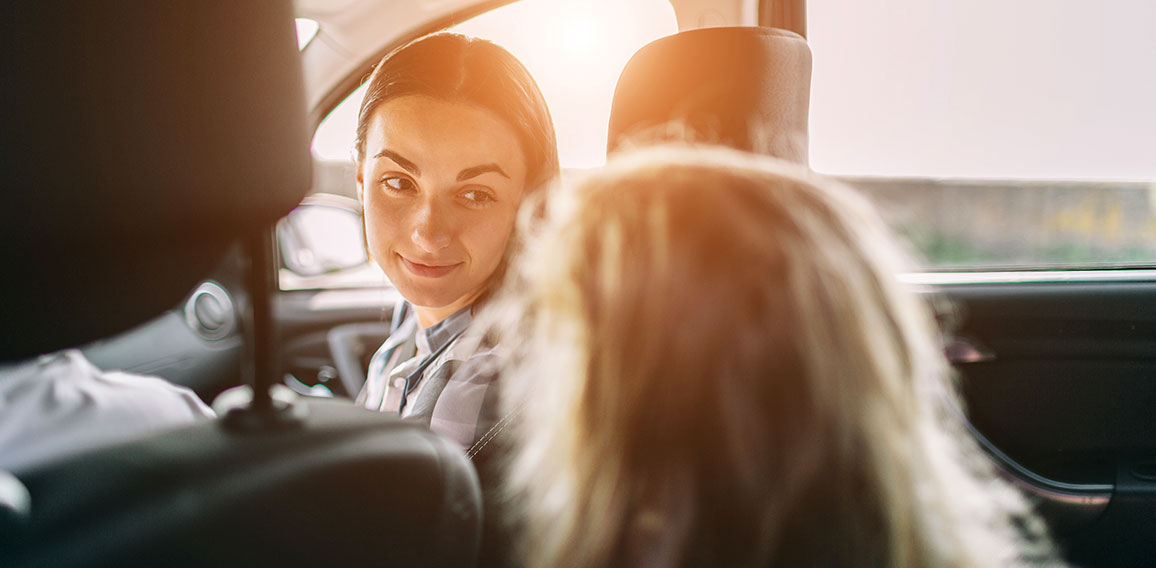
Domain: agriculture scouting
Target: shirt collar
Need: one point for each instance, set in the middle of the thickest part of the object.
(435, 336)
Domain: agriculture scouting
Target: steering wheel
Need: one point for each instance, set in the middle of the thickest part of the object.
(348, 345)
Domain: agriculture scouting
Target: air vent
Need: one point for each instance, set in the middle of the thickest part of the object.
(209, 311)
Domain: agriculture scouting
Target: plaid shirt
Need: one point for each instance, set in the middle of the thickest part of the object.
(454, 396)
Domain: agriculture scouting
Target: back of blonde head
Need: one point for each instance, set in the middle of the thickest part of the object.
(715, 366)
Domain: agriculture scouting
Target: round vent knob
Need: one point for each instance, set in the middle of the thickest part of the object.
(209, 311)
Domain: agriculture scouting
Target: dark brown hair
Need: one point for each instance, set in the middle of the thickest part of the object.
(458, 68)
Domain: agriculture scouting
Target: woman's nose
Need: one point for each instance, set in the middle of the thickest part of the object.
(430, 227)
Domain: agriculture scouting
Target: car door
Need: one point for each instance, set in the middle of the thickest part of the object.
(1057, 370)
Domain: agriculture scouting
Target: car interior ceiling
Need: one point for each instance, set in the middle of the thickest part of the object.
(207, 148)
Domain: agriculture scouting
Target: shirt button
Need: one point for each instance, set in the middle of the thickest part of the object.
(398, 383)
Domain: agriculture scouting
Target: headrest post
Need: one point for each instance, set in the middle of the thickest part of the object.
(263, 361)
(259, 248)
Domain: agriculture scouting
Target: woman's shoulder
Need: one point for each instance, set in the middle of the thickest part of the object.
(468, 407)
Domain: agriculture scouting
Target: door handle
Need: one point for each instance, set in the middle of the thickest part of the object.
(960, 351)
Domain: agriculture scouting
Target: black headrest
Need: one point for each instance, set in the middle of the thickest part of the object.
(140, 139)
(744, 87)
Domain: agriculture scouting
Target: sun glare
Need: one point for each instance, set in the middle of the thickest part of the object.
(579, 37)
(575, 49)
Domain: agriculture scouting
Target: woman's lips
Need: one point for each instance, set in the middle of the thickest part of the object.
(428, 270)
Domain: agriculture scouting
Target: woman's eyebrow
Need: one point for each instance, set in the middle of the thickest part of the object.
(479, 170)
(404, 163)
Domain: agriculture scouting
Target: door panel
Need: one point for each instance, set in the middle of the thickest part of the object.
(1066, 389)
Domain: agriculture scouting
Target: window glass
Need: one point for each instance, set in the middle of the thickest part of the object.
(306, 30)
(575, 49)
(994, 133)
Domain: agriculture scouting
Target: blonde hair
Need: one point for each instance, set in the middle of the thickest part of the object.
(713, 364)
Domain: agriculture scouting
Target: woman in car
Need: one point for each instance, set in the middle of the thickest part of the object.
(452, 135)
(716, 366)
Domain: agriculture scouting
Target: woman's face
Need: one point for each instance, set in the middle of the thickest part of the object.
(441, 183)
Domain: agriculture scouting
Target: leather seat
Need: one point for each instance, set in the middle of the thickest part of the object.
(744, 87)
(142, 140)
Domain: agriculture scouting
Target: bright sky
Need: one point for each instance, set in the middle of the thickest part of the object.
(1036, 89)
(576, 53)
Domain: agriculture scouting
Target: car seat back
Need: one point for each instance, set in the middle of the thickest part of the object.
(744, 87)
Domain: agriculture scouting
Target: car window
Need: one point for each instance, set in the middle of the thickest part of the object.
(992, 133)
(575, 50)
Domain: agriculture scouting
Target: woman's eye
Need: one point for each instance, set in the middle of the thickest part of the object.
(398, 183)
(478, 196)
